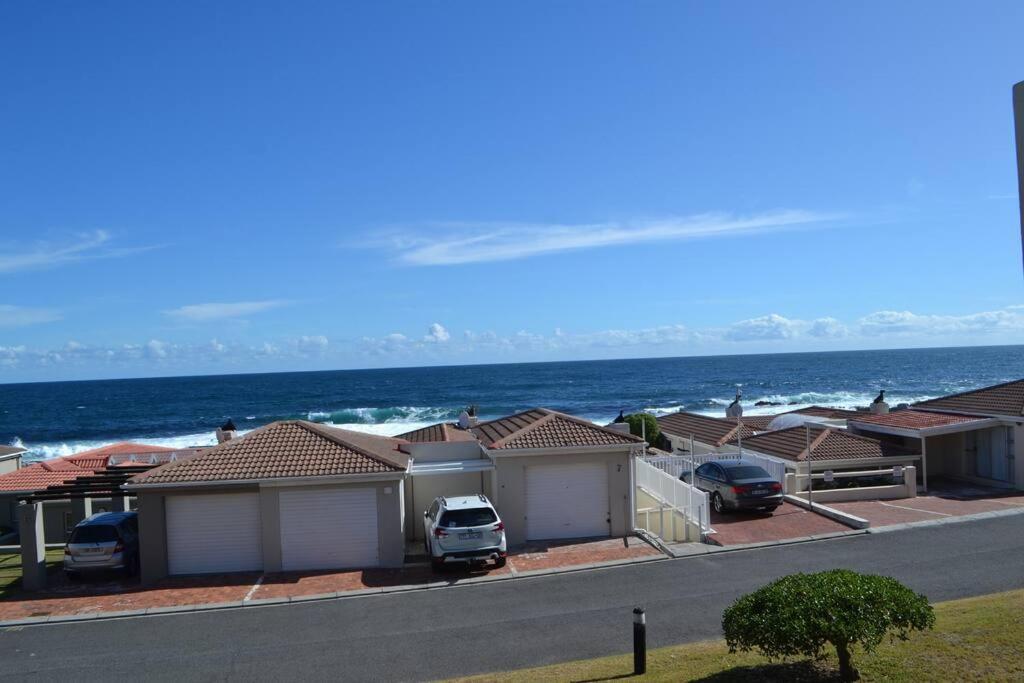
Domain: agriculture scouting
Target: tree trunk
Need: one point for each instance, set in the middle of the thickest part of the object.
(846, 670)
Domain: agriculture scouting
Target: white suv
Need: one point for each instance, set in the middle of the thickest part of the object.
(464, 529)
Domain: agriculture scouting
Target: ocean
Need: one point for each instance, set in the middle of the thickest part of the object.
(59, 418)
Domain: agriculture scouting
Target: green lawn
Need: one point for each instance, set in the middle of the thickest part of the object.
(974, 639)
(10, 569)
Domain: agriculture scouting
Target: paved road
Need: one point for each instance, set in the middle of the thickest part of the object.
(498, 626)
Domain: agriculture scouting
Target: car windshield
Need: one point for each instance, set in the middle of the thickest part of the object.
(747, 472)
(468, 517)
(94, 533)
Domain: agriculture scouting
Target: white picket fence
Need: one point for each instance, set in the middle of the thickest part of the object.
(676, 465)
(675, 496)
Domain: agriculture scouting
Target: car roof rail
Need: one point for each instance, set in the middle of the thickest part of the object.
(482, 497)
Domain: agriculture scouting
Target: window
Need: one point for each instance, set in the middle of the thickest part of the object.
(468, 517)
(748, 472)
(68, 526)
(432, 512)
(94, 533)
(704, 470)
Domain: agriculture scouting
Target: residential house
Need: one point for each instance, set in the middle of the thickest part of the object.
(296, 495)
(971, 436)
(292, 495)
(60, 517)
(550, 475)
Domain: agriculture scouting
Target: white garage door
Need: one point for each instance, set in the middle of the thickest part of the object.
(567, 501)
(213, 533)
(328, 528)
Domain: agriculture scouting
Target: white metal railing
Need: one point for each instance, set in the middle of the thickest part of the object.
(676, 465)
(675, 495)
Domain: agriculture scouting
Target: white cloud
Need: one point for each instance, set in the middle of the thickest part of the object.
(828, 328)
(436, 334)
(92, 245)
(217, 347)
(485, 242)
(222, 310)
(772, 326)
(311, 344)
(903, 323)
(156, 348)
(19, 316)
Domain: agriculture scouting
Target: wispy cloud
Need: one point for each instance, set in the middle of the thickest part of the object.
(484, 242)
(87, 246)
(223, 310)
(20, 316)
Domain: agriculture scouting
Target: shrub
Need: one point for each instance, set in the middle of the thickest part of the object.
(802, 613)
(635, 421)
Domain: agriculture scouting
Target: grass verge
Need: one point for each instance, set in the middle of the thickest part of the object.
(974, 639)
(10, 570)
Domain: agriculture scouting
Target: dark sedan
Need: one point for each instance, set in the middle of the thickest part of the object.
(737, 485)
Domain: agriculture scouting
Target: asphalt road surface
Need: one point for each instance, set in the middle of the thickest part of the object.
(434, 634)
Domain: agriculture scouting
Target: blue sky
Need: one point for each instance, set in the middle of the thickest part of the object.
(275, 186)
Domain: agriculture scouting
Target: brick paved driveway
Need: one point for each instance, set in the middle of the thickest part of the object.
(113, 593)
(885, 512)
(787, 522)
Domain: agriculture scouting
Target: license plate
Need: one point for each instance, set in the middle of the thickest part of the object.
(469, 535)
(95, 551)
(760, 492)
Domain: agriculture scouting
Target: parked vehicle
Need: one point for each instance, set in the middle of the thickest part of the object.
(464, 529)
(104, 541)
(737, 485)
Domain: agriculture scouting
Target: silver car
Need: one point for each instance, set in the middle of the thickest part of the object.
(108, 540)
(464, 529)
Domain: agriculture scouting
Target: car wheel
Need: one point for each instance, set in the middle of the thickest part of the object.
(71, 576)
(717, 503)
(437, 563)
(771, 509)
(500, 562)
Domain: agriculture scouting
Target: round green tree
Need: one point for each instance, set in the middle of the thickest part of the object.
(644, 423)
(798, 615)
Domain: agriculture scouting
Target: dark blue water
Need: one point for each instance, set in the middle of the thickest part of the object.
(61, 417)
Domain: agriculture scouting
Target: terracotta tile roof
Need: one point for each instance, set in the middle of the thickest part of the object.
(1001, 399)
(543, 428)
(915, 419)
(715, 431)
(39, 475)
(292, 448)
(442, 431)
(826, 444)
(758, 423)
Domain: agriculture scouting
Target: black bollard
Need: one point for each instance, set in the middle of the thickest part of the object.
(639, 641)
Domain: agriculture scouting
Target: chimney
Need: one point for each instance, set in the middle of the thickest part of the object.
(226, 432)
(879, 406)
(735, 409)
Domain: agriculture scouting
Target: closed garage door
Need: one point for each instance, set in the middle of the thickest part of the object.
(567, 501)
(213, 533)
(328, 528)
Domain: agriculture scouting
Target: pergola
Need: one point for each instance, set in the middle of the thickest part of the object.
(105, 483)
